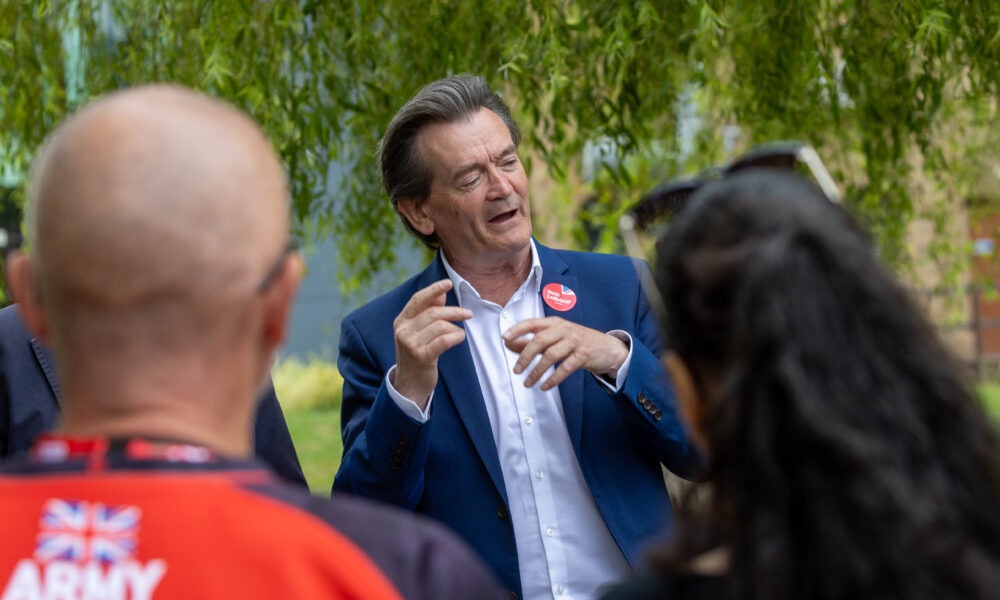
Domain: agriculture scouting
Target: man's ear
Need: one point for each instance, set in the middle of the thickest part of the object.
(279, 301)
(690, 402)
(413, 211)
(24, 285)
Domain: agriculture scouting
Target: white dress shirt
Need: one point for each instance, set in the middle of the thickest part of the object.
(564, 548)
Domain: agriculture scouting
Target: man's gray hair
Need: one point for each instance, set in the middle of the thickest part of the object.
(404, 173)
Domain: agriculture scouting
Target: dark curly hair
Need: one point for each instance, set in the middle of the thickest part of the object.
(847, 456)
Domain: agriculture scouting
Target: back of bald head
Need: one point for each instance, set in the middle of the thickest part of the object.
(154, 213)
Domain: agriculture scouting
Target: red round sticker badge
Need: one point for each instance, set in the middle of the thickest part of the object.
(559, 297)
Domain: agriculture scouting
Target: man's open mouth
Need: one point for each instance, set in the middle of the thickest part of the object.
(503, 217)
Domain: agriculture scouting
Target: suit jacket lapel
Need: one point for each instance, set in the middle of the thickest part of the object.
(44, 358)
(556, 271)
(457, 373)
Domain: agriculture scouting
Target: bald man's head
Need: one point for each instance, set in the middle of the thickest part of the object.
(155, 212)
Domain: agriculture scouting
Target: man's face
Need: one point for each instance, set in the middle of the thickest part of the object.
(478, 203)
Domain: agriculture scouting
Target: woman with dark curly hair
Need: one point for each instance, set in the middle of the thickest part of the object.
(847, 457)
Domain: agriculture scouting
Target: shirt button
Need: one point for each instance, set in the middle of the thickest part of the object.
(550, 532)
(538, 474)
(560, 590)
(528, 420)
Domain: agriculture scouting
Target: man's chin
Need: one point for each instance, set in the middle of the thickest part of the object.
(514, 246)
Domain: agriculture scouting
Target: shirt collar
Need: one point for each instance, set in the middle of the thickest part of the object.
(462, 286)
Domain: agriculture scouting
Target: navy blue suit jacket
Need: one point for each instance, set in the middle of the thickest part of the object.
(448, 468)
(29, 401)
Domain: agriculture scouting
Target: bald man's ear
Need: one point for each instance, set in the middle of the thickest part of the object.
(413, 211)
(24, 286)
(280, 298)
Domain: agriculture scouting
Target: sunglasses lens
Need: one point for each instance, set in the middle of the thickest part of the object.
(663, 202)
(766, 160)
(644, 224)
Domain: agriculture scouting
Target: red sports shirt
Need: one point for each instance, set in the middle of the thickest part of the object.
(138, 519)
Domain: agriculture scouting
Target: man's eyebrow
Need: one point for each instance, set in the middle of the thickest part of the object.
(512, 149)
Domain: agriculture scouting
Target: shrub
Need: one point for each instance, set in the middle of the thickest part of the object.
(308, 384)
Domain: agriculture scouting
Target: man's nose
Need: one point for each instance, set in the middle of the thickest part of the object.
(500, 186)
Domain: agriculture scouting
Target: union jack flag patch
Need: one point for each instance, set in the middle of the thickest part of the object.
(75, 530)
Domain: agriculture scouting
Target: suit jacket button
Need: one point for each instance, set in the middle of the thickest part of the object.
(657, 415)
(511, 596)
(502, 512)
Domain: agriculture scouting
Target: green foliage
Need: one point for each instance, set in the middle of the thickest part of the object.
(309, 392)
(316, 434)
(989, 392)
(303, 385)
(873, 85)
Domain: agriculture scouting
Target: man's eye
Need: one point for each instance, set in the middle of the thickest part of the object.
(469, 183)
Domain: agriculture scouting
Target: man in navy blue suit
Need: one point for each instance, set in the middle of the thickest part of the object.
(517, 395)
(30, 401)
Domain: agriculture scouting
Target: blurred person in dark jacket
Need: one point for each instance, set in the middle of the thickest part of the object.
(30, 401)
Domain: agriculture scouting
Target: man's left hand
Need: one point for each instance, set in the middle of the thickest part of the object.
(573, 346)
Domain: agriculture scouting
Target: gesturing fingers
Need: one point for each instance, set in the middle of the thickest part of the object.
(423, 330)
(425, 327)
(424, 340)
(561, 352)
(539, 336)
(432, 295)
(566, 345)
(428, 317)
(550, 340)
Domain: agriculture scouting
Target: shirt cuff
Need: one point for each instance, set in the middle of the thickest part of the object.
(409, 407)
(619, 381)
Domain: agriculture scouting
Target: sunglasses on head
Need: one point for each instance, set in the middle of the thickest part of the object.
(643, 224)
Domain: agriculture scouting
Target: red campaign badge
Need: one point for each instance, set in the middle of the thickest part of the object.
(559, 297)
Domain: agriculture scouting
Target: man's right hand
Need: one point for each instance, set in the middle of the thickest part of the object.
(423, 331)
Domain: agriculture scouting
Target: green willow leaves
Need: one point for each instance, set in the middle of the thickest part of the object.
(882, 89)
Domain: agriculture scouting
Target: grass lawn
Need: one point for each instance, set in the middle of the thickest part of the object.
(316, 433)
